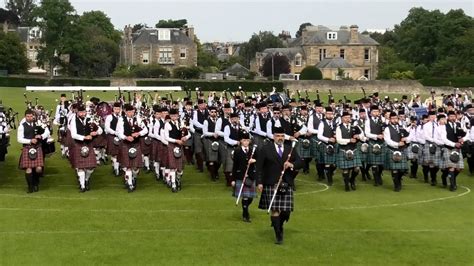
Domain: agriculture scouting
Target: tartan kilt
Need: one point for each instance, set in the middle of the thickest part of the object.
(363, 156)
(79, 162)
(376, 159)
(173, 162)
(315, 148)
(25, 162)
(411, 155)
(434, 159)
(447, 162)
(281, 202)
(163, 155)
(343, 163)
(153, 152)
(62, 137)
(229, 162)
(222, 152)
(247, 192)
(99, 141)
(210, 155)
(303, 152)
(112, 149)
(391, 165)
(197, 142)
(146, 149)
(127, 162)
(69, 142)
(325, 158)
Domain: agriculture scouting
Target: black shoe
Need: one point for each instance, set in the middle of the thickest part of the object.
(29, 190)
(353, 186)
(82, 190)
(131, 189)
(35, 188)
(87, 186)
(246, 219)
(279, 240)
(347, 187)
(433, 183)
(174, 190)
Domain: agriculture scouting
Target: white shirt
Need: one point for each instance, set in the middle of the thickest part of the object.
(367, 132)
(120, 129)
(74, 133)
(21, 131)
(108, 129)
(340, 140)
(167, 130)
(428, 131)
(227, 138)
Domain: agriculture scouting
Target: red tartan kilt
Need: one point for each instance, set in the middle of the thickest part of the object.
(77, 161)
(112, 149)
(173, 162)
(146, 149)
(25, 162)
(125, 161)
(154, 150)
(99, 141)
(164, 155)
(62, 139)
(69, 142)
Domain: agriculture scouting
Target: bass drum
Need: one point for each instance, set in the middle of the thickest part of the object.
(48, 147)
(104, 109)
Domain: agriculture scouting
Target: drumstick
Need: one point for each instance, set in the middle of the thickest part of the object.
(245, 176)
(281, 177)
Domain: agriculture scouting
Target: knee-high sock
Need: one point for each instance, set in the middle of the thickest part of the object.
(173, 178)
(82, 177)
(135, 173)
(88, 174)
(129, 177)
(146, 161)
(156, 165)
(29, 180)
(167, 174)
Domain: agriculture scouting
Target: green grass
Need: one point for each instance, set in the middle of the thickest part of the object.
(200, 225)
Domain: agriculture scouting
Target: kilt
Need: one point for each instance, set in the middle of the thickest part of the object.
(197, 142)
(163, 151)
(325, 158)
(411, 155)
(80, 162)
(432, 159)
(210, 155)
(447, 162)
(25, 162)
(173, 162)
(247, 192)
(99, 141)
(303, 152)
(228, 161)
(146, 149)
(62, 137)
(222, 152)
(342, 163)
(125, 160)
(315, 148)
(392, 165)
(112, 149)
(69, 142)
(153, 151)
(376, 159)
(363, 156)
(281, 202)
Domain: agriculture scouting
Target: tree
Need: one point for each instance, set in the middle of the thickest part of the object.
(301, 28)
(258, 43)
(311, 73)
(421, 71)
(205, 59)
(170, 23)
(100, 21)
(186, 72)
(279, 65)
(12, 54)
(23, 9)
(138, 27)
(57, 19)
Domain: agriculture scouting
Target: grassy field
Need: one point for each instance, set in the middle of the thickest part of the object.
(422, 225)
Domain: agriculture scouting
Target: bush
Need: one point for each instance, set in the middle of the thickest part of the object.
(78, 82)
(460, 82)
(421, 71)
(402, 75)
(150, 71)
(311, 73)
(21, 82)
(186, 72)
(250, 86)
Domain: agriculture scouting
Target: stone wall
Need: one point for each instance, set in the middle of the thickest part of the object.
(353, 86)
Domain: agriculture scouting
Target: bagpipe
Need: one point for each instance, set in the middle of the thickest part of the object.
(7, 121)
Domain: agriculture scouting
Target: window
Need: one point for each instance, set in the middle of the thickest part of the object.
(367, 54)
(298, 60)
(164, 35)
(342, 54)
(145, 58)
(331, 35)
(166, 56)
(322, 54)
(182, 53)
(367, 73)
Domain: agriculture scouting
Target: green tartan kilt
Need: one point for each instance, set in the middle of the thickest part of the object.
(363, 156)
(315, 148)
(343, 163)
(446, 163)
(376, 159)
(435, 159)
(392, 165)
(303, 152)
(222, 151)
(327, 158)
(411, 155)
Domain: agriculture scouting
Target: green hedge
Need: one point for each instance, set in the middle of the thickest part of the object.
(23, 82)
(214, 85)
(460, 82)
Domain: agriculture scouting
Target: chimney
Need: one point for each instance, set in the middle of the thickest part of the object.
(190, 32)
(127, 32)
(354, 36)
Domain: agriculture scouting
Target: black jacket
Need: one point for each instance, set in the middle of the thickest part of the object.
(240, 164)
(270, 165)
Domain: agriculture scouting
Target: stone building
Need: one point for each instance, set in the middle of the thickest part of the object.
(345, 51)
(167, 47)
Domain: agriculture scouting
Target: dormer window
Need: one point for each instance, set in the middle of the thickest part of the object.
(331, 35)
(164, 35)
